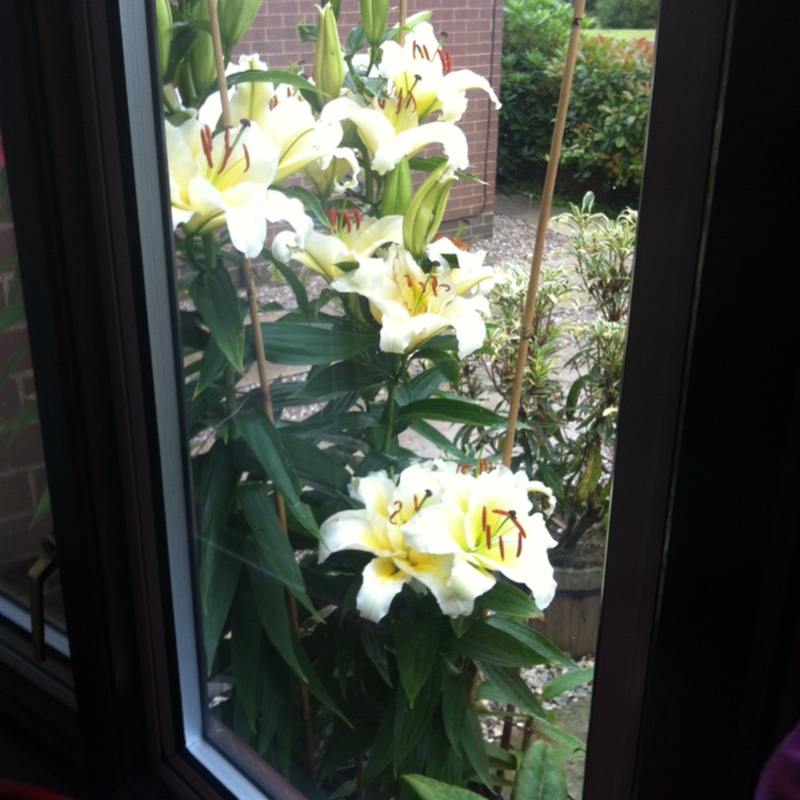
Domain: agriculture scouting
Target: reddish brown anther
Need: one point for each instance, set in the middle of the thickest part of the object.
(398, 509)
(206, 141)
(246, 157)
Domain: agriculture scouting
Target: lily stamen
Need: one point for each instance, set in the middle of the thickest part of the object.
(206, 141)
(398, 508)
(246, 158)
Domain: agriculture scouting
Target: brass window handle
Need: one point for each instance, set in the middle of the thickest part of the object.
(43, 569)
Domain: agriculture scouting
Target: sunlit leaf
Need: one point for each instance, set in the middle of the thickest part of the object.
(429, 789)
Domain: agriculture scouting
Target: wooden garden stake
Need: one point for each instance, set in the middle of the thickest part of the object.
(538, 251)
(403, 19)
(541, 230)
(263, 374)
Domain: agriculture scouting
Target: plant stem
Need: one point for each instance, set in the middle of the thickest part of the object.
(262, 375)
(387, 442)
(210, 251)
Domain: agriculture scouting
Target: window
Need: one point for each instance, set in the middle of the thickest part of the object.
(115, 578)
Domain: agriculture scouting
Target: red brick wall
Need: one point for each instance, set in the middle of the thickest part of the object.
(22, 475)
(474, 36)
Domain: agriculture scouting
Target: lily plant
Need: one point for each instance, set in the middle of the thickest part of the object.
(378, 597)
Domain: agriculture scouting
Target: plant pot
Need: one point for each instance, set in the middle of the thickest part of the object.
(571, 621)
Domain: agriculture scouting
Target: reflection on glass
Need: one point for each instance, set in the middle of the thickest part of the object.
(26, 531)
(371, 565)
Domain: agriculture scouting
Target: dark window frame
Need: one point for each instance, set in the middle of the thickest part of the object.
(88, 223)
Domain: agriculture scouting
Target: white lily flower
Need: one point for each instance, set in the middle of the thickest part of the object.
(487, 523)
(222, 180)
(283, 114)
(412, 305)
(353, 237)
(423, 69)
(390, 130)
(377, 529)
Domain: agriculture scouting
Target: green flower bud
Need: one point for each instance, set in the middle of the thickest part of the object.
(397, 190)
(374, 16)
(202, 64)
(235, 18)
(329, 66)
(164, 24)
(426, 210)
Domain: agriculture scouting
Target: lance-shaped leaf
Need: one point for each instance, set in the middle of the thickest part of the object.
(458, 410)
(429, 789)
(295, 344)
(280, 562)
(541, 775)
(214, 297)
(265, 443)
(417, 646)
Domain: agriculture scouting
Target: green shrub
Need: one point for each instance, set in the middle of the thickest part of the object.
(608, 113)
(534, 39)
(604, 139)
(626, 13)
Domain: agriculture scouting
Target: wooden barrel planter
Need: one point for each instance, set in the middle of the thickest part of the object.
(572, 619)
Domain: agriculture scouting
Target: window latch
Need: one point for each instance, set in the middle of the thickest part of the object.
(45, 567)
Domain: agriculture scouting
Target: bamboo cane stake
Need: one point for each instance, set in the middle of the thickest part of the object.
(403, 19)
(263, 372)
(536, 261)
(541, 229)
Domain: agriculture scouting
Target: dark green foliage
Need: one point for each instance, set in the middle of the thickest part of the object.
(627, 13)
(604, 138)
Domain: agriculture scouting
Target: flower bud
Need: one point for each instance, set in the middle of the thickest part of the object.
(374, 16)
(164, 25)
(397, 190)
(235, 18)
(329, 66)
(202, 64)
(426, 210)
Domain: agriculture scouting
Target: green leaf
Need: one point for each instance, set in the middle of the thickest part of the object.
(214, 297)
(341, 378)
(211, 365)
(315, 465)
(452, 409)
(567, 745)
(429, 789)
(42, 507)
(299, 344)
(474, 746)
(417, 645)
(376, 653)
(541, 775)
(270, 606)
(276, 76)
(594, 471)
(434, 162)
(548, 653)
(296, 285)
(436, 437)
(246, 655)
(456, 689)
(258, 507)
(504, 685)
(507, 599)
(487, 643)
(219, 597)
(265, 444)
(217, 482)
(567, 682)
(412, 721)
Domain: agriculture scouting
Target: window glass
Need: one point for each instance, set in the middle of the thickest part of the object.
(375, 547)
(30, 596)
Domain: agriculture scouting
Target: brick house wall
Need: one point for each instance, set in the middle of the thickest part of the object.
(474, 37)
(22, 473)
